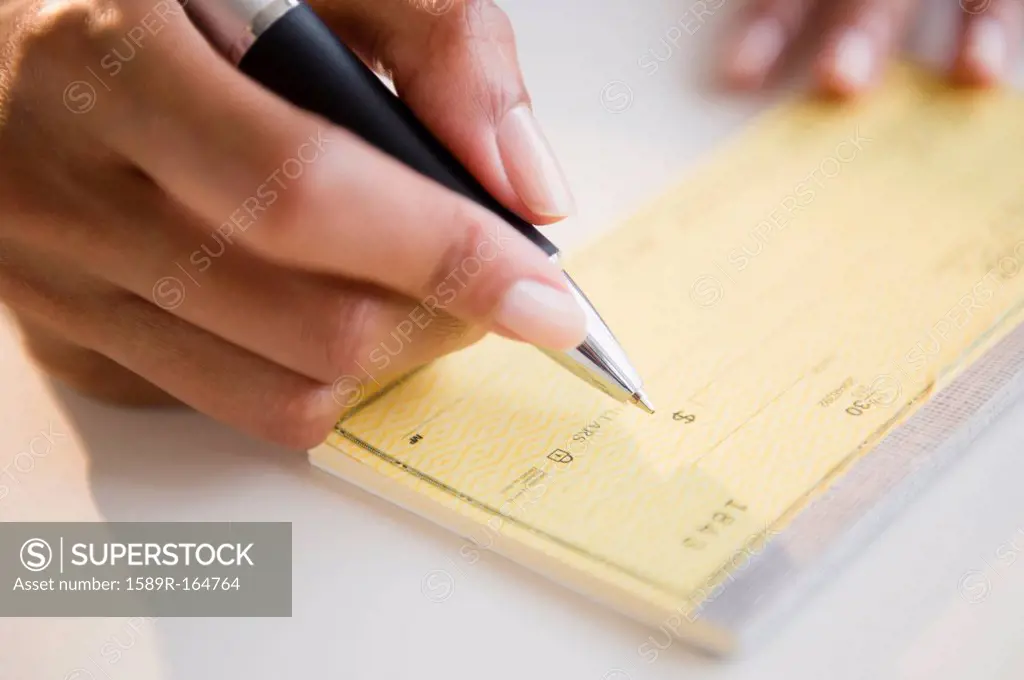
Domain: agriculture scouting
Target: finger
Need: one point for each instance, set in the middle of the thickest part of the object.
(316, 326)
(292, 189)
(215, 377)
(321, 327)
(455, 63)
(51, 302)
(86, 370)
(211, 375)
(988, 39)
(765, 30)
(864, 33)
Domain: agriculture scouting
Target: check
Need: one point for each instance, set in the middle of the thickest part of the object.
(798, 298)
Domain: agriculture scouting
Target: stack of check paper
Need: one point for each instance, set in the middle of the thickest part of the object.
(824, 314)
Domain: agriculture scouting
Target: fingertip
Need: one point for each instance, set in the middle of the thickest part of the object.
(461, 76)
(542, 315)
(983, 57)
(850, 66)
(755, 53)
(548, 220)
(532, 168)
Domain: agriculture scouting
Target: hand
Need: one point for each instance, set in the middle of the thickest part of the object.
(860, 35)
(161, 212)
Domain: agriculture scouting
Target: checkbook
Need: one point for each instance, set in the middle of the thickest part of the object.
(824, 312)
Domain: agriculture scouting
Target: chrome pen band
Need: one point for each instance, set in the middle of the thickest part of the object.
(600, 360)
(232, 26)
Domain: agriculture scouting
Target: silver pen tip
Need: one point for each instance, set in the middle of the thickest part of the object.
(641, 400)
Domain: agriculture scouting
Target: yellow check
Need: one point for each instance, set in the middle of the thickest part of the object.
(789, 305)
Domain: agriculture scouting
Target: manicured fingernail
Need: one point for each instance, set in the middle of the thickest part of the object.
(758, 49)
(985, 48)
(542, 315)
(854, 60)
(531, 166)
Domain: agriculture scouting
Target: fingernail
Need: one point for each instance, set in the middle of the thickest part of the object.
(986, 47)
(854, 60)
(759, 49)
(542, 315)
(531, 166)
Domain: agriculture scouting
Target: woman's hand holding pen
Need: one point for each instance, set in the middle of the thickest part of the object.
(171, 228)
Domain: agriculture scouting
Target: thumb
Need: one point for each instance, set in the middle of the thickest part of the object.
(454, 63)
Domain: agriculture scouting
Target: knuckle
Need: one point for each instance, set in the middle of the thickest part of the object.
(471, 37)
(342, 330)
(59, 39)
(77, 23)
(102, 32)
(470, 17)
(464, 24)
(486, 14)
(472, 22)
(292, 199)
(459, 265)
(302, 417)
(73, 49)
(486, 28)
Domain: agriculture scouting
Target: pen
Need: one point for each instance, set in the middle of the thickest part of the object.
(285, 47)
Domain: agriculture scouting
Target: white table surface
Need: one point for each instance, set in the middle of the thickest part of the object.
(940, 594)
